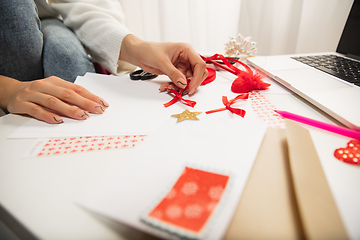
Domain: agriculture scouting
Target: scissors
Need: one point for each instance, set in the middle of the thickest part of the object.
(142, 75)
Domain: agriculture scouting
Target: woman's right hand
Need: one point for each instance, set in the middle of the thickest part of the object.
(48, 99)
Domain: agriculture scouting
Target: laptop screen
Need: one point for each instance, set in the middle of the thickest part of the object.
(350, 39)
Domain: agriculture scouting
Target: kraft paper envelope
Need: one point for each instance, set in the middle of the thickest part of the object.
(287, 195)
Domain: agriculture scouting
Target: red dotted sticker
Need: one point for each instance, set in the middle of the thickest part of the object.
(264, 110)
(56, 146)
(350, 154)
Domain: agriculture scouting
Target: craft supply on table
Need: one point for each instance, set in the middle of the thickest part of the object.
(227, 103)
(186, 208)
(350, 154)
(186, 115)
(240, 47)
(325, 126)
(142, 75)
(178, 96)
(264, 110)
(247, 80)
(58, 146)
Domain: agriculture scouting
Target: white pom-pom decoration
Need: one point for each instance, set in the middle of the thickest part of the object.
(240, 47)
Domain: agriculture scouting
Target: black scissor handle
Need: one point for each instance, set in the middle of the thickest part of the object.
(141, 75)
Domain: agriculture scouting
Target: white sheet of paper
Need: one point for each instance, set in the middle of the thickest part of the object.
(128, 189)
(136, 107)
(343, 178)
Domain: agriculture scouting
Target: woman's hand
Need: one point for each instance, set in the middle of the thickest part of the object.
(48, 98)
(178, 61)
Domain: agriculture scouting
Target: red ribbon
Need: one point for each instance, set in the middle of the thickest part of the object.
(211, 76)
(178, 95)
(246, 80)
(230, 68)
(228, 104)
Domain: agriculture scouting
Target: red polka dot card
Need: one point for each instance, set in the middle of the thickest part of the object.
(187, 208)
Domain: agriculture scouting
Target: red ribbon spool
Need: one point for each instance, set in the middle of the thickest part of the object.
(211, 76)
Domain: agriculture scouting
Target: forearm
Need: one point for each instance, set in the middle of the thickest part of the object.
(129, 48)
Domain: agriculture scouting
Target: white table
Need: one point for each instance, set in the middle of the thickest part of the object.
(39, 191)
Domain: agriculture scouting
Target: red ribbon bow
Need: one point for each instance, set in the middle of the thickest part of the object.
(228, 104)
(177, 97)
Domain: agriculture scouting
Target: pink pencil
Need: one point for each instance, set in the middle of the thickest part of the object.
(329, 127)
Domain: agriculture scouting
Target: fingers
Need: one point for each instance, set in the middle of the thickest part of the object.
(56, 98)
(49, 98)
(42, 114)
(68, 87)
(185, 62)
(175, 75)
(169, 85)
(198, 67)
(164, 86)
(196, 80)
(178, 61)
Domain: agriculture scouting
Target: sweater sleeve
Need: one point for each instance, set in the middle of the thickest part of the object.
(100, 26)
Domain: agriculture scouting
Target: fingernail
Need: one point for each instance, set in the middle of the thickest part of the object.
(104, 103)
(192, 92)
(181, 83)
(83, 114)
(99, 109)
(58, 119)
(185, 92)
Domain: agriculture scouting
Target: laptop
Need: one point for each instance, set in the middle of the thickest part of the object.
(320, 78)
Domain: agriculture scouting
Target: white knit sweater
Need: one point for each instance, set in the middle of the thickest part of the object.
(99, 25)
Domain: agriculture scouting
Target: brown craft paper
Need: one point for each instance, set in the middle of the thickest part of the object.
(318, 212)
(267, 208)
(277, 186)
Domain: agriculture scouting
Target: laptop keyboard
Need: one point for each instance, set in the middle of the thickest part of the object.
(337, 66)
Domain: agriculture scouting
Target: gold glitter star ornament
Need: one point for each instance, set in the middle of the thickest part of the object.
(186, 115)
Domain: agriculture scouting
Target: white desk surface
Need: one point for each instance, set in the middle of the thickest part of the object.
(40, 191)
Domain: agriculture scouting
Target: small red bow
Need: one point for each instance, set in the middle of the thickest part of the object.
(228, 104)
(178, 95)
